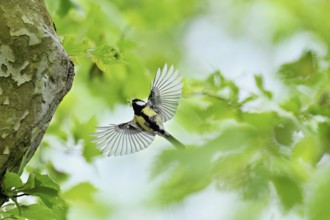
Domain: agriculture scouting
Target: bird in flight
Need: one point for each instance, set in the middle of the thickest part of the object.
(149, 116)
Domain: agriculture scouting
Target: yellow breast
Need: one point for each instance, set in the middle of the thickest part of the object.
(152, 115)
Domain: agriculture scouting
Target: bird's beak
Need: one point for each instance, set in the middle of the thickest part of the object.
(129, 101)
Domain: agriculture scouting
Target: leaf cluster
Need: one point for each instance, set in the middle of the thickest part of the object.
(249, 150)
(266, 145)
(49, 201)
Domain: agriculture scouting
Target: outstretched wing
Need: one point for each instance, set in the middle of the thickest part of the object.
(165, 92)
(122, 139)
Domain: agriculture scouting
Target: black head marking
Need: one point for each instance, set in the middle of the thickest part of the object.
(138, 105)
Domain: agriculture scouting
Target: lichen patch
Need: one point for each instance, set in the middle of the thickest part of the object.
(6, 102)
(33, 38)
(18, 124)
(6, 58)
(6, 150)
(27, 20)
(22, 78)
(4, 135)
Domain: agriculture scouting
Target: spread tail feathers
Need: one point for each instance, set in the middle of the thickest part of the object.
(174, 141)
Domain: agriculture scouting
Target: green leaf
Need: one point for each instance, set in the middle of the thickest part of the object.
(90, 151)
(216, 81)
(292, 104)
(83, 131)
(248, 99)
(234, 137)
(47, 190)
(55, 128)
(217, 85)
(30, 183)
(11, 180)
(126, 44)
(302, 71)
(289, 191)
(58, 175)
(191, 111)
(82, 199)
(104, 55)
(81, 192)
(259, 82)
(324, 136)
(283, 131)
(248, 175)
(74, 47)
(44, 181)
(308, 149)
(264, 122)
(182, 182)
(65, 6)
(219, 110)
(319, 195)
(251, 210)
(35, 211)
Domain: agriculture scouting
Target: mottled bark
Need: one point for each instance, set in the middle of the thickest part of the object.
(35, 74)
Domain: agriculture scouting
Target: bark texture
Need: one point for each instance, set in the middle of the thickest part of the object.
(35, 74)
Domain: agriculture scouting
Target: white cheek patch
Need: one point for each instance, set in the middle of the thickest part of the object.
(140, 103)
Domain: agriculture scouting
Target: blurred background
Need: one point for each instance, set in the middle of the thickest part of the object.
(254, 113)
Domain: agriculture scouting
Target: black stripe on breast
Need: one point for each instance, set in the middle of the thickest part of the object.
(152, 124)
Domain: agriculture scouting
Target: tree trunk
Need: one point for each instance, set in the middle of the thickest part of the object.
(35, 74)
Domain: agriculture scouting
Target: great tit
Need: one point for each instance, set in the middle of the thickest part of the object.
(149, 116)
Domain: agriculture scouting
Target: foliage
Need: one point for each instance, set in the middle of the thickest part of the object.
(265, 144)
(51, 204)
